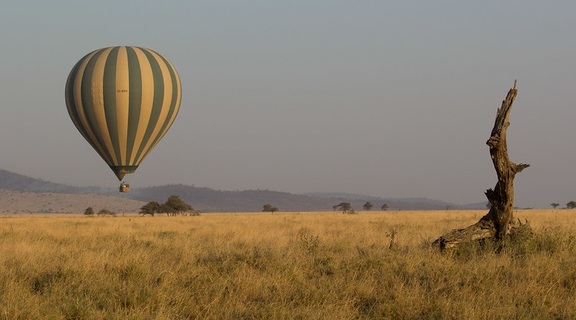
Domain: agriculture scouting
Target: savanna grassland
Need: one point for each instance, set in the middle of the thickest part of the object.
(372, 265)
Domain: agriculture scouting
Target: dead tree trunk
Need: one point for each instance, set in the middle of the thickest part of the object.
(498, 222)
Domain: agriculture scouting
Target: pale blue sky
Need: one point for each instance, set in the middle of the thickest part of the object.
(391, 99)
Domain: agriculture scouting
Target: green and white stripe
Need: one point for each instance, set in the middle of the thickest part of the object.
(123, 100)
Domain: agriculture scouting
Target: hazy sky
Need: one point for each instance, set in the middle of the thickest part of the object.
(385, 98)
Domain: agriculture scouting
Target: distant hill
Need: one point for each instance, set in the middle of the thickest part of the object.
(22, 194)
(18, 182)
(206, 199)
(48, 202)
(203, 199)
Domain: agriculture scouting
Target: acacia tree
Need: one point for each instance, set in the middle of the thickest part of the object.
(571, 205)
(89, 211)
(175, 205)
(498, 222)
(367, 206)
(384, 207)
(150, 208)
(269, 208)
(554, 205)
(344, 206)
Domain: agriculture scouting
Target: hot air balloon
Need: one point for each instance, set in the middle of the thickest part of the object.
(123, 100)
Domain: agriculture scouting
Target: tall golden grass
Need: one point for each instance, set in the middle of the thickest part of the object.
(373, 265)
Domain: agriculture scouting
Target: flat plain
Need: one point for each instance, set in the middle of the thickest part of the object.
(309, 265)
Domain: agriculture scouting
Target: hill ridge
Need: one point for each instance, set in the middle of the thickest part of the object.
(201, 198)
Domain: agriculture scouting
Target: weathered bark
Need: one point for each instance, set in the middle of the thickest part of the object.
(498, 222)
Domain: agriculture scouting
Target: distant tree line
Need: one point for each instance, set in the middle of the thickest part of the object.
(569, 205)
(103, 212)
(172, 207)
(346, 207)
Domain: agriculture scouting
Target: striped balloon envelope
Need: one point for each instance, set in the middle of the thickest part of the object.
(123, 100)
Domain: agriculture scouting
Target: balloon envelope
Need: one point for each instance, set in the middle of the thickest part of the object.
(123, 100)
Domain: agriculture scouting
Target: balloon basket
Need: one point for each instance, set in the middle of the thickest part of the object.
(124, 187)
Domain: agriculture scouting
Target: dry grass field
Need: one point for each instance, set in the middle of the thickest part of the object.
(372, 265)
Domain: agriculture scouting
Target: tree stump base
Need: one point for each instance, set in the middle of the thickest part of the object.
(481, 231)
